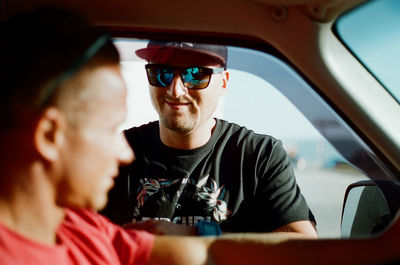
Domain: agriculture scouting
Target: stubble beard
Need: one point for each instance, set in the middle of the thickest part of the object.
(180, 124)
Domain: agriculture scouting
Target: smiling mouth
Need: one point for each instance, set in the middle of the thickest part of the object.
(177, 105)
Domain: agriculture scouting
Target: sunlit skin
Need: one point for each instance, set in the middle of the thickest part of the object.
(93, 150)
(186, 120)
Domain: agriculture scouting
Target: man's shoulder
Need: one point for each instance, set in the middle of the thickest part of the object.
(236, 137)
(142, 129)
(80, 221)
(141, 133)
(85, 227)
(233, 130)
(83, 216)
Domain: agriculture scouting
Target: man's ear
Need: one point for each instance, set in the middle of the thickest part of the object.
(225, 80)
(48, 135)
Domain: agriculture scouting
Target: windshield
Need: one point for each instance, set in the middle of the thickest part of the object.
(372, 33)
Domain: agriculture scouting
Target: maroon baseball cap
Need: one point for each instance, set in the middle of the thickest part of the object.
(184, 53)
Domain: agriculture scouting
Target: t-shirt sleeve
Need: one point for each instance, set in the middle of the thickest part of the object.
(278, 194)
(107, 241)
(133, 246)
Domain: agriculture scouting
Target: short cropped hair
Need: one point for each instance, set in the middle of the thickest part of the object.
(41, 49)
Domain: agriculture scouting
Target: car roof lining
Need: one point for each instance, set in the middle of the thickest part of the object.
(319, 10)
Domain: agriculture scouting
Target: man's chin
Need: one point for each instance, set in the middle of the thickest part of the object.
(179, 126)
(101, 201)
(96, 205)
(100, 206)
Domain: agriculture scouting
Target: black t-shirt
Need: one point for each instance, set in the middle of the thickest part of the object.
(239, 178)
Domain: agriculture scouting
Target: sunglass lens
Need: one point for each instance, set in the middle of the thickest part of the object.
(195, 77)
(160, 76)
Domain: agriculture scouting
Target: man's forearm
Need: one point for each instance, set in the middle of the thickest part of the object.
(274, 248)
(307, 252)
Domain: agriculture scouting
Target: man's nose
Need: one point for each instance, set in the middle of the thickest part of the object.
(177, 89)
(125, 152)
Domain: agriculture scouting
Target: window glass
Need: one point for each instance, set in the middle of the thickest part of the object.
(266, 95)
(372, 33)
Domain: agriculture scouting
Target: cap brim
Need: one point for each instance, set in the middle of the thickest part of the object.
(179, 55)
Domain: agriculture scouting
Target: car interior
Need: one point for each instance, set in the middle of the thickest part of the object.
(294, 75)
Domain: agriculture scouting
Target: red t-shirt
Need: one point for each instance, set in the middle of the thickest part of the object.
(84, 237)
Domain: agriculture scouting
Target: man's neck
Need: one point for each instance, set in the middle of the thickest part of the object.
(30, 210)
(194, 139)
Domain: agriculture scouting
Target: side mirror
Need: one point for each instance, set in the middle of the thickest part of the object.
(369, 207)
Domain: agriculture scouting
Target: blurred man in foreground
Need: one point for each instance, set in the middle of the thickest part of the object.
(62, 100)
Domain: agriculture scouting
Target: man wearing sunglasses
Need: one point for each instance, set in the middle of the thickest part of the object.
(195, 174)
(57, 124)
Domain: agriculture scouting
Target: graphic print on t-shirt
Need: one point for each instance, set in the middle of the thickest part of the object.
(180, 200)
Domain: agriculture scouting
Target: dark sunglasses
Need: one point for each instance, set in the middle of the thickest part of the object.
(193, 77)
